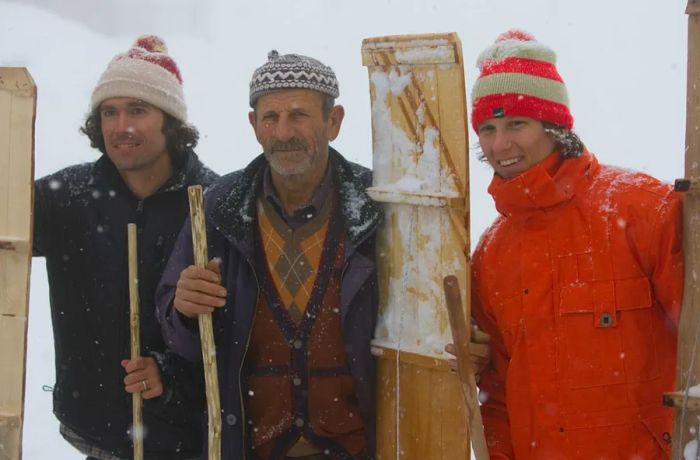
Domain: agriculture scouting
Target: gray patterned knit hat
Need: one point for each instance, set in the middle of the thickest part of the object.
(292, 71)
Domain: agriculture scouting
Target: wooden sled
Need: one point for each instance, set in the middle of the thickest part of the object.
(17, 113)
(420, 165)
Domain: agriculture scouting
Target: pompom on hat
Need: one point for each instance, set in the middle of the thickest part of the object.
(518, 77)
(292, 71)
(145, 72)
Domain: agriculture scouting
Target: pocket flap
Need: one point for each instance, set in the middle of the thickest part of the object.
(629, 294)
(632, 294)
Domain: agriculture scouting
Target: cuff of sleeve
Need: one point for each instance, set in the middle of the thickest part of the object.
(181, 337)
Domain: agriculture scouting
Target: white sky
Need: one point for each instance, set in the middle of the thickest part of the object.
(623, 61)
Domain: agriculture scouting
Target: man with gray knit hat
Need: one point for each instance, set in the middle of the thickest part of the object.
(292, 284)
(138, 121)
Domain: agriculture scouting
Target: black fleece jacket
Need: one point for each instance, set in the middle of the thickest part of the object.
(80, 221)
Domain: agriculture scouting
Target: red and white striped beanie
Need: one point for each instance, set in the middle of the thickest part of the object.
(519, 78)
(144, 72)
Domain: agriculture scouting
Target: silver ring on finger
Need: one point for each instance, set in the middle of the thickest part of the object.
(143, 384)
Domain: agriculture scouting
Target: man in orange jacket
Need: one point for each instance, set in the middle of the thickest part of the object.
(578, 281)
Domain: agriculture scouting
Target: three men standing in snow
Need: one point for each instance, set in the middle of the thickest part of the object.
(578, 282)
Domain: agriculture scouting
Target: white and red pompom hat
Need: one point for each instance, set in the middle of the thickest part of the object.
(144, 72)
(519, 78)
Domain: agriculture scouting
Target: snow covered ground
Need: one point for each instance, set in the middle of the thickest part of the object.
(624, 63)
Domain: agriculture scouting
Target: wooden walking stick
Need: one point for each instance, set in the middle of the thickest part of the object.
(206, 330)
(461, 338)
(686, 428)
(136, 401)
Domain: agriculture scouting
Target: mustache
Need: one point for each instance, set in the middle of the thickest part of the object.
(119, 137)
(292, 144)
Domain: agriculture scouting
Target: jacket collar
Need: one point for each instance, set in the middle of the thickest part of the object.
(231, 204)
(543, 186)
(105, 173)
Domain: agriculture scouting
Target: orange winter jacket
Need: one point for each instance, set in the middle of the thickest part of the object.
(579, 282)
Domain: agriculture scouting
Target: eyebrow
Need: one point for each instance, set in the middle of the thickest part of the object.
(137, 103)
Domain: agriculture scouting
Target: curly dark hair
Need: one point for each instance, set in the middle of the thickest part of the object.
(566, 140)
(180, 137)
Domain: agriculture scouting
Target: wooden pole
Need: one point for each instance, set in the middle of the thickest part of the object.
(136, 401)
(17, 112)
(206, 330)
(461, 338)
(686, 427)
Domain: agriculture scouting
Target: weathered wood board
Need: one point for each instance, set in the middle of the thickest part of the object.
(421, 175)
(686, 419)
(17, 113)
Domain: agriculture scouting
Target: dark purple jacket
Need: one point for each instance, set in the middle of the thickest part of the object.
(231, 225)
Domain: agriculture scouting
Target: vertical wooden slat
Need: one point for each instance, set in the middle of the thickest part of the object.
(686, 425)
(421, 174)
(17, 113)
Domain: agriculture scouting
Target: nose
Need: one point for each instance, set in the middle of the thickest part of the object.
(283, 129)
(501, 141)
(122, 121)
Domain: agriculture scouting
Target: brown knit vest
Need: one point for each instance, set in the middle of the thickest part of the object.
(298, 381)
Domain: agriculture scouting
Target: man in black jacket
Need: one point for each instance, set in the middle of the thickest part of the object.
(138, 121)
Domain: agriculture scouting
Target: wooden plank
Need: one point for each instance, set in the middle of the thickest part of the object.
(411, 49)
(406, 357)
(686, 419)
(428, 391)
(677, 399)
(420, 168)
(391, 195)
(10, 436)
(17, 113)
(12, 376)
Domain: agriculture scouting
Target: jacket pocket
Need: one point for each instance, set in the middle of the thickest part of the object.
(607, 333)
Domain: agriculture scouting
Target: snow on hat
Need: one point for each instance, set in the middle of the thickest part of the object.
(519, 78)
(144, 72)
(292, 71)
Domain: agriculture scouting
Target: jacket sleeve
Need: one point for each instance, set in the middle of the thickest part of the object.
(183, 387)
(492, 381)
(667, 256)
(178, 334)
